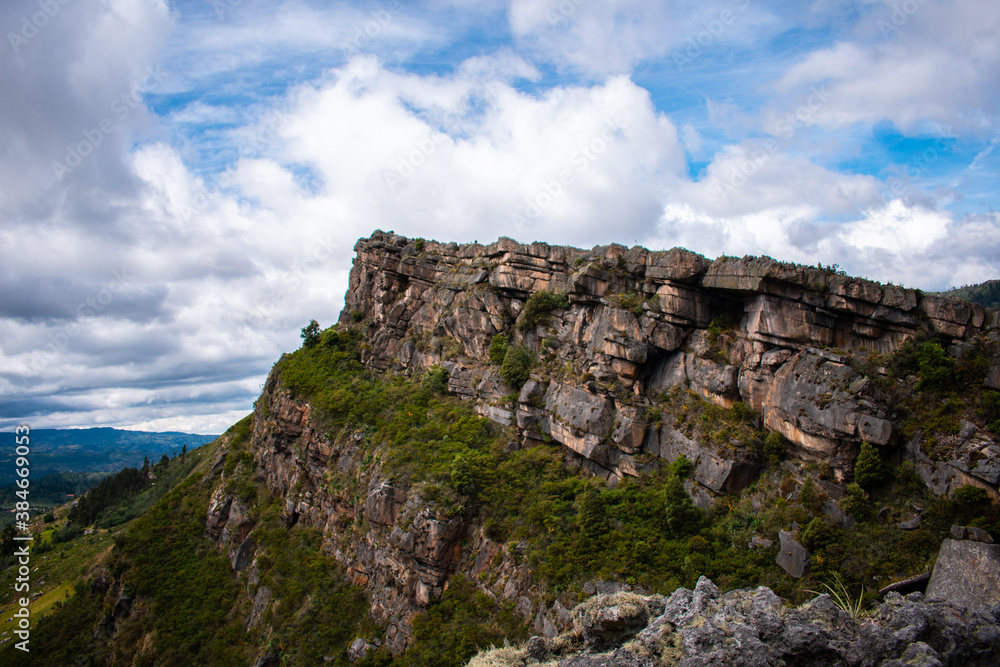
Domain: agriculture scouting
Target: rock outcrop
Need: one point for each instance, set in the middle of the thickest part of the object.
(636, 327)
(776, 336)
(967, 571)
(752, 628)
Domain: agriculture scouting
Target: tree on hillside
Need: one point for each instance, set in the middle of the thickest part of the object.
(310, 334)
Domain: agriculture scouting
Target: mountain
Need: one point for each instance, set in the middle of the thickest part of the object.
(491, 434)
(985, 294)
(93, 450)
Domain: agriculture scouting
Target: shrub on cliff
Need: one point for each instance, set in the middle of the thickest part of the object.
(936, 368)
(775, 448)
(498, 348)
(683, 518)
(516, 366)
(539, 307)
(436, 380)
(869, 471)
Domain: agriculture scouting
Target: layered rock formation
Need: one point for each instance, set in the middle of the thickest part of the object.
(637, 327)
(776, 336)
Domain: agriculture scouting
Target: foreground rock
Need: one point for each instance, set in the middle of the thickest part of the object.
(967, 572)
(752, 628)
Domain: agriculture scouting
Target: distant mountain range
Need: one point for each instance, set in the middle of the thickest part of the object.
(92, 450)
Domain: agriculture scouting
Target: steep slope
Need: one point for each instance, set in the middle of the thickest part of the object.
(627, 358)
(493, 433)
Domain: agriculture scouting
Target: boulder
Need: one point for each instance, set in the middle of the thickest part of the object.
(609, 619)
(966, 573)
(793, 558)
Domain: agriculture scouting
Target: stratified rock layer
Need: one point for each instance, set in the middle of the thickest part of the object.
(775, 336)
(639, 325)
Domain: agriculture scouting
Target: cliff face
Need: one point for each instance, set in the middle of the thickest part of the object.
(776, 336)
(637, 328)
(398, 545)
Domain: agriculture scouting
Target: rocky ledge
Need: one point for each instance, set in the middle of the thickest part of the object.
(753, 628)
(632, 324)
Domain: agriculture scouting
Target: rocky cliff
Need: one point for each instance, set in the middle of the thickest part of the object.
(778, 337)
(622, 338)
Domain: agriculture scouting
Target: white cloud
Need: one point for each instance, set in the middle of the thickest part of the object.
(223, 269)
(913, 63)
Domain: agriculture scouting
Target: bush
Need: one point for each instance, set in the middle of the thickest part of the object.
(935, 368)
(857, 503)
(516, 367)
(775, 448)
(49, 518)
(70, 531)
(990, 410)
(683, 518)
(970, 496)
(869, 471)
(498, 348)
(811, 497)
(818, 535)
(537, 311)
(436, 380)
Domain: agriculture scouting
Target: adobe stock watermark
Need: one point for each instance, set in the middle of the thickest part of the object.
(695, 47)
(901, 13)
(223, 7)
(563, 11)
(377, 22)
(408, 164)
(318, 255)
(580, 160)
(121, 108)
(32, 24)
(785, 129)
(92, 306)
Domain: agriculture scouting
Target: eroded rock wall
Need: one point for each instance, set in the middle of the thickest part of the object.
(775, 336)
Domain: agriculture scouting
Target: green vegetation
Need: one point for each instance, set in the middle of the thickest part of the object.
(775, 448)
(869, 471)
(516, 366)
(49, 492)
(452, 629)
(108, 492)
(986, 294)
(936, 368)
(538, 309)
(310, 334)
(498, 349)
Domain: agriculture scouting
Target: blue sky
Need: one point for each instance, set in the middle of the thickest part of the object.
(184, 181)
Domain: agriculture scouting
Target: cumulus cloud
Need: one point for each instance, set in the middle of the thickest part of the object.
(153, 282)
(918, 64)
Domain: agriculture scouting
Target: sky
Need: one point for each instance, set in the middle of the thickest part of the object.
(182, 183)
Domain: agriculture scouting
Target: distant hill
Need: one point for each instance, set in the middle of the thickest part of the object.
(985, 294)
(92, 450)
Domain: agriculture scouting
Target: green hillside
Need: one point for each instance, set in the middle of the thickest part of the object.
(985, 294)
(188, 607)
